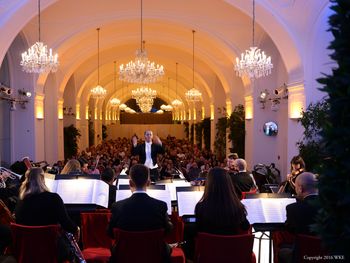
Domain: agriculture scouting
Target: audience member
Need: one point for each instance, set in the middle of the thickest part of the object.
(108, 176)
(37, 207)
(148, 152)
(243, 181)
(140, 212)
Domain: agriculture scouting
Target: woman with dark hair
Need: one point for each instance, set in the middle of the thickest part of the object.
(220, 210)
(297, 166)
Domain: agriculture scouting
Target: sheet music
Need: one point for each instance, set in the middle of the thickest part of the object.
(186, 201)
(163, 195)
(267, 210)
(80, 191)
(123, 181)
(172, 187)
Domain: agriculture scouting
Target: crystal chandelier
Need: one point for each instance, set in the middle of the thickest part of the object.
(193, 94)
(98, 92)
(38, 58)
(141, 70)
(176, 102)
(115, 101)
(253, 63)
(144, 97)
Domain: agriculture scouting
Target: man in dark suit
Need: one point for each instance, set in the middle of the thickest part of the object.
(301, 215)
(243, 181)
(140, 212)
(148, 152)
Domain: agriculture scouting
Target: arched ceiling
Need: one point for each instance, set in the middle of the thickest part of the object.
(223, 31)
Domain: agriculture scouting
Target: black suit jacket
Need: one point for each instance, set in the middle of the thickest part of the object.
(301, 215)
(140, 150)
(140, 212)
(242, 181)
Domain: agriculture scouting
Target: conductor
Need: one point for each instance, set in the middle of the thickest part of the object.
(148, 152)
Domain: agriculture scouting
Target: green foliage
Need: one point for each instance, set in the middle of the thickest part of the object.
(199, 134)
(334, 185)
(187, 130)
(104, 132)
(206, 133)
(192, 133)
(236, 124)
(71, 136)
(311, 148)
(220, 138)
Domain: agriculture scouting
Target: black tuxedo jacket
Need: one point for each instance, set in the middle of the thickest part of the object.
(140, 150)
(242, 181)
(140, 212)
(301, 215)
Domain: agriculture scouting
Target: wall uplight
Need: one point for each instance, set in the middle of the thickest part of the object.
(39, 107)
(248, 107)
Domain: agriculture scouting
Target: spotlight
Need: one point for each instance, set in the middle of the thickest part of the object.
(13, 106)
(25, 93)
(5, 90)
(263, 96)
(282, 91)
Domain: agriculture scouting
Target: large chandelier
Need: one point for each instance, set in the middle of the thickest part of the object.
(141, 70)
(193, 94)
(38, 58)
(144, 97)
(176, 102)
(253, 63)
(98, 92)
(115, 101)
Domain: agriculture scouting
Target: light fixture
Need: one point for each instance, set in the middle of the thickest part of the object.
(263, 98)
(253, 63)
(141, 70)
(193, 95)
(115, 101)
(176, 102)
(98, 92)
(167, 107)
(144, 97)
(38, 58)
(24, 93)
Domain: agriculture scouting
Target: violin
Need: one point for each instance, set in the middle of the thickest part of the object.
(290, 182)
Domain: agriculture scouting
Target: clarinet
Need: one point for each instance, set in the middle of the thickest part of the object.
(75, 247)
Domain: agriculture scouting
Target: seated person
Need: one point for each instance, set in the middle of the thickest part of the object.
(243, 181)
(140, 212)
(300, 215)
(37, 206)
(220, 211)
(108, 176)
(72, 167)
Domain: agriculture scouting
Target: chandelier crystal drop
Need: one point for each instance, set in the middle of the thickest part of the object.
(115, 102)
(141, 70)
(144, 97)
(38, 58)
(193, 95)
(254, 63)
(98, 92)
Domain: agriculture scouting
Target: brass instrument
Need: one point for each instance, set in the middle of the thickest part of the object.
(6, 173)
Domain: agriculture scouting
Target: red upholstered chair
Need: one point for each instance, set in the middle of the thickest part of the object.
(143, 246)
(250, 192)
(35, 243)
(310, 246)
(96, 242)
(218, 248)
(177, 233)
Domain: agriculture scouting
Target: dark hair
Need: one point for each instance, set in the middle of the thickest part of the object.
(107, 174)
(220, 201)
(139, 174)
(297, 160)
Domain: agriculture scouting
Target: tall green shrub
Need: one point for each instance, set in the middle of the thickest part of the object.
(206, 133)
(334, 185)
(236, 124)
(71, 136)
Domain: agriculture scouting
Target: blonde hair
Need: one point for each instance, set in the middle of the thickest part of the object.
(34, 183)
(71, 166)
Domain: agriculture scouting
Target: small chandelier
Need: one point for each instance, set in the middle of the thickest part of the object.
(141, 70)
(38, 58)
(193, 95)
(98, 92)
(253, 63)
(176, 102)
(144, 97)
(115, 101)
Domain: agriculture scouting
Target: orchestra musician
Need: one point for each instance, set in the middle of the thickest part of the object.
(297, 166)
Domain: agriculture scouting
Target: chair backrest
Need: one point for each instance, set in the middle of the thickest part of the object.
(310, 246)
(177, 233)
(250, 192)
(35, 243)
(140, 246)
(94, 229)
(219, 248)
